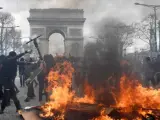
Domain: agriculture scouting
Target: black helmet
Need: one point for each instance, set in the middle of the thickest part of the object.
(12, 54)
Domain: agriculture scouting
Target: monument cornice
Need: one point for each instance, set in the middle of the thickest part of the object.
(57, 19)
(74, 39)
(55, 23)
(57, 10)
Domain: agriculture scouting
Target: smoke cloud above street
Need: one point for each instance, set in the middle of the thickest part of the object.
(119, 8)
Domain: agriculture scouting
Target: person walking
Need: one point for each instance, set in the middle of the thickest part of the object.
(21, 73)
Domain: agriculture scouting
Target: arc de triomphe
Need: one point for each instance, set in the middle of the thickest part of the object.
(68, 22)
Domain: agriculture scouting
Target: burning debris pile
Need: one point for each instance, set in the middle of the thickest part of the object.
(137, 100)
(61, 95)
(133, 102)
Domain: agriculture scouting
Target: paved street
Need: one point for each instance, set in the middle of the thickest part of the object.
(10, 112)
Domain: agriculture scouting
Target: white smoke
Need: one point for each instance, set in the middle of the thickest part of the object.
(91, 7)
(22, 5)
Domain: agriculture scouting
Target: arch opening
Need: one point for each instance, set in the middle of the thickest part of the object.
(56, 44)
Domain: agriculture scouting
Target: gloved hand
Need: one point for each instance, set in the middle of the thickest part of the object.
(28, 81)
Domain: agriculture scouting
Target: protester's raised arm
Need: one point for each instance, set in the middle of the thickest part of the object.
(22, 54)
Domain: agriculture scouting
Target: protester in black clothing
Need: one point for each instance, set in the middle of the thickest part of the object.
(41, 80)
(49, 63)
(8, 71)
(14, 67)
(21, 73)
(157, 70)
(148, 72)
(1, 91)
(2, 57)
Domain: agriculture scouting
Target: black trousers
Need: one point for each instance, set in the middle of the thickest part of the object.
(30, 92)
(22, 80)
(42, 90)
(10, 93)
(13, 79)
(1, 91)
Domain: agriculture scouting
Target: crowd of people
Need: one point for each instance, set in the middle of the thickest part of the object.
(9, 65)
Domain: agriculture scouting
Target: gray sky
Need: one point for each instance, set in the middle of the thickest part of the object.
(95, 10)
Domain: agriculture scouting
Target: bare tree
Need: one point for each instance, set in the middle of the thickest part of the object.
(9, 36)
(15, 36)
(144, 30)
(6, 20)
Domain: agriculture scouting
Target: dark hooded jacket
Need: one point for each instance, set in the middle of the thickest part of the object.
(9, 68)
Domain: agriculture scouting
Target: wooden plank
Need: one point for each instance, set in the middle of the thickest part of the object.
(30, 116)
(87, 111)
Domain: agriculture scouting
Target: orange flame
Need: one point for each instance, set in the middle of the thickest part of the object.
(134, 97)
(59, 84)
(89, 95)
(134, 94)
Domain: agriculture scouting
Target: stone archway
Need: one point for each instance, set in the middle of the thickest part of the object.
(68, 22)
(56, 44)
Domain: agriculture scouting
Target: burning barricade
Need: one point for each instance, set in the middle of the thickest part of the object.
(133, 102)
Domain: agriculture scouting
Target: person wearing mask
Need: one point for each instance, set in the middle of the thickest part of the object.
(21, 73)
(8, 71)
